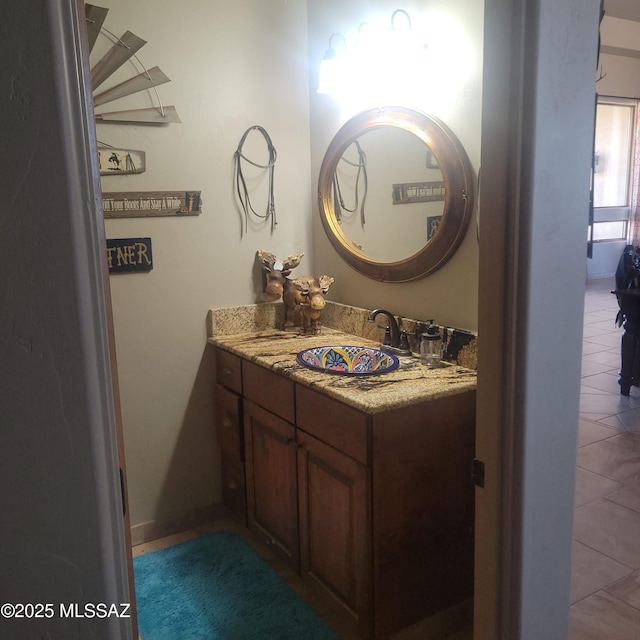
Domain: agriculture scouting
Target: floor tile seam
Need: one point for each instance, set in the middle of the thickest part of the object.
(618, 480)
(593, 391)
(619, 413)
(587, 360)
(579, 600)
(613, 351)
(599, 321)
(590, 339)
(592, 500)
(601, 476)
(623, 603)
(629, 509)
(608, 557)
(609, 351)
(601, 496)
(590, 331)
(634, 403)
(594, 592)
(594, 422)
(610, 367)
(585, 416)
(615, 444)
(609, 372)
(609, 426)
(605, 416)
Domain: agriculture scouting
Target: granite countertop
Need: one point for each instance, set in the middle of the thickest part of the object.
(411, 383)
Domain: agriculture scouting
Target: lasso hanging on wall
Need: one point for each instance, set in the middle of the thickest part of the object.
(242, 189)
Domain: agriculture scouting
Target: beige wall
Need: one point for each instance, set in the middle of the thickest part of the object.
(232, 65)
(450, 295)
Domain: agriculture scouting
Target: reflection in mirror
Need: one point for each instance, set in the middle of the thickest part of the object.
(395, 193)
(388, 194)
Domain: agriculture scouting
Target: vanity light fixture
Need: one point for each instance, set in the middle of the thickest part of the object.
(385, 55)
(393, 26)
(330, 67)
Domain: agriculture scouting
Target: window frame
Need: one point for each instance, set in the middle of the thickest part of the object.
(618, 213)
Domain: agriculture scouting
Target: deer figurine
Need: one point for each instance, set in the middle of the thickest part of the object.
(276, 272)
(306, 295)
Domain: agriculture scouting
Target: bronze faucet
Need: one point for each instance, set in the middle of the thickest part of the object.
(399, 343)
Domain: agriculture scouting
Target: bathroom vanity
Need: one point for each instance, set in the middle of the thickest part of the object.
(362, 483)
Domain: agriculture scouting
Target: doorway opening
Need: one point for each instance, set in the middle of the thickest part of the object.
(616, 170)
(607, 497)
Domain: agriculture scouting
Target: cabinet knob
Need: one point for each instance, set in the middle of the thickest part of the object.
(226, 422)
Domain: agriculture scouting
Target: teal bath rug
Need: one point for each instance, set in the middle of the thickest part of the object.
(216, 587)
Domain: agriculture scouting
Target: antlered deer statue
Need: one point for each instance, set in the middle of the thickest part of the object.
(276, 272)
(307, 295)
(303, 297)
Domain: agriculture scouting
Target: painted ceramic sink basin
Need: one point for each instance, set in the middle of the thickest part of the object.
(348, 360)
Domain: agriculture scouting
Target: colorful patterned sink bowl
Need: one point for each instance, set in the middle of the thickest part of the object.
(348, 360)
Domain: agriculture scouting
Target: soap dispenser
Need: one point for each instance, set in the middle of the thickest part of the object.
(431, 346)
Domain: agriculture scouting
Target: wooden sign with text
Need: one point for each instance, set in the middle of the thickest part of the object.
(127, 255)
(408, 192)
(141, 204)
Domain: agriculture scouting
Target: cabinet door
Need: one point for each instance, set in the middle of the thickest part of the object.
(335, 544)
(230, 434)
(271, 469)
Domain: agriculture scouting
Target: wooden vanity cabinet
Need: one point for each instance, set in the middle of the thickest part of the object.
(374, 510)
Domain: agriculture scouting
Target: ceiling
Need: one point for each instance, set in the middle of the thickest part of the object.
(625, 9)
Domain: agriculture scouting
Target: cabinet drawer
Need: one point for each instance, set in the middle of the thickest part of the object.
(229, 423)
(333, 422)
(228, 371)
(269, 390)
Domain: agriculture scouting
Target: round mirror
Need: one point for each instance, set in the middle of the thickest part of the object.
(395, 193)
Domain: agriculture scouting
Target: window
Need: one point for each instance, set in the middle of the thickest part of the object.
(610, 230)
(612, 166)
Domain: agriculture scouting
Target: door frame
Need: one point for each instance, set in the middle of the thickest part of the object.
(68, 31)
(515, 571)
(532, 228)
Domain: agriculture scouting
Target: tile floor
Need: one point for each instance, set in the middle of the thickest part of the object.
(605, 591)
(606, 546)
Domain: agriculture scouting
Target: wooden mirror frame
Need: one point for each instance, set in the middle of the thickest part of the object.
(457, 176)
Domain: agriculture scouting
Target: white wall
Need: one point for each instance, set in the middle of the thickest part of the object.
(450, 295)
(606, 256)
(232, 65)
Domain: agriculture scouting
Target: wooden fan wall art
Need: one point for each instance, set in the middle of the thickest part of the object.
(123, 161)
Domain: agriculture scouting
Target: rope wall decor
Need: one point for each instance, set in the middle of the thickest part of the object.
(241, 184)
(338, 199)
